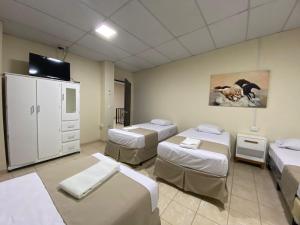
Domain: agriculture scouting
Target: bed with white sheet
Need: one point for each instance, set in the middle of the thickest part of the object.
(285, 165)
(201, 171)
(138, 143)
(36, 199)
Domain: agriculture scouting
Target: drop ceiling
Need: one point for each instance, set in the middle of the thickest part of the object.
(150, 32)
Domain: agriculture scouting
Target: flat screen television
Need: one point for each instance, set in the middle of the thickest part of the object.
(43, 66)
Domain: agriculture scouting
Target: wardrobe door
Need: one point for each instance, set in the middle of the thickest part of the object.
(49, 118)
(70, 101)
(21, 122)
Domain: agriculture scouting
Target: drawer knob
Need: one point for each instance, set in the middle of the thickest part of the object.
(252, 142)
(71, 126)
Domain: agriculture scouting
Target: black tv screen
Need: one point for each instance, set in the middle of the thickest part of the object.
(43, 66)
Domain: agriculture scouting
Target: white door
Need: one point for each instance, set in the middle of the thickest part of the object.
(21, 120)
(71, 101)
(49, 118)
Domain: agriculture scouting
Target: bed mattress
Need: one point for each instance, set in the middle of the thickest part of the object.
(202, 160)
(133, 140)
(283, 156)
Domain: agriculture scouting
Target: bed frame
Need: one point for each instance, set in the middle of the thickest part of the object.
(277, 176)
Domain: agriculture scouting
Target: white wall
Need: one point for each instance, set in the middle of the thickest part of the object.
(180, 90)
(87, 72)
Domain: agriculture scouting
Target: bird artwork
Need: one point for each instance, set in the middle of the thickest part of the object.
(240, 89)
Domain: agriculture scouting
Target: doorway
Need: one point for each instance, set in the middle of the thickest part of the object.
(122, 102)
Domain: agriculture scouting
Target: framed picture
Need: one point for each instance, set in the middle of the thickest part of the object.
(246, 89)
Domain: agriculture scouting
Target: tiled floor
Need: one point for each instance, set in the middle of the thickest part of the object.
(253, 198)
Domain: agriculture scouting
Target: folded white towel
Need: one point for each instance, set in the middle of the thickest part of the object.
(84, 182)
(190, 143)
(130, 128)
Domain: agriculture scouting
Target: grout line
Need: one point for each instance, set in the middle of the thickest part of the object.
(209, 31)
(248, 20)
(290, 14)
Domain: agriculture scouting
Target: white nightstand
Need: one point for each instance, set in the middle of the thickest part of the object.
(251, 148)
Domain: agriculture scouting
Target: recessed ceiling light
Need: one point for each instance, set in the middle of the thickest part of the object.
(106, 31)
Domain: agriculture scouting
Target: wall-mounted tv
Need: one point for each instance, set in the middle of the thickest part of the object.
(43, 66)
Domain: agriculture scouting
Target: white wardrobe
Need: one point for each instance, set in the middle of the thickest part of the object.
(42, 119)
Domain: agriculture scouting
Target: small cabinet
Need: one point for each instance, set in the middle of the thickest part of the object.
(70, 101)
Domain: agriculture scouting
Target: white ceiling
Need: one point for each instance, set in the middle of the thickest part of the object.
(150, 32)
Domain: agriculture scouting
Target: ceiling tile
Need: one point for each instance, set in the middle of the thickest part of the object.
(125, 66)
(178, 16)
(255, 3)
(173, 50)
(230, 31)
(93, 42)
(106, 7)
(198, 41)
(137, 62)
(215, 10)
(269, 18)
(154, 57)
(29, 33)
(137, 20)
(19, 13)
(125, 40)
(87, 53)
(294, 20)
(70, 11)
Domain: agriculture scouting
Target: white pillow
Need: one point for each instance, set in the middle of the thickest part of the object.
(210, 128)
(291, 143)
(161, 122)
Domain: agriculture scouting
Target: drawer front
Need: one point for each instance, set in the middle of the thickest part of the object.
(70, 125)
(70, 147)
(70, 136)
(251, 143)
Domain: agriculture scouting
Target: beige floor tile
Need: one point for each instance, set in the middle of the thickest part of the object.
(248, 193)
(23, 171)
(201, 220)
(272, 216)
(176, 214)
(213, 212)
(167, 190)
(5, 176)
(237, 218)
(270, 198)
(163, 202)
(246, 181)
(244, 206)
(163, 222)
(187, 200)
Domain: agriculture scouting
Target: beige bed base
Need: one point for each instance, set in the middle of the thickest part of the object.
(192, 180)
(128, 155)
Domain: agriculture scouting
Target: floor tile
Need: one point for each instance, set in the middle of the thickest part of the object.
(237, 218)
(176, 214)
(201, 220)
(244, 206)
(187, 200)
(213, 212)
(5, 176)
(23, 171)
(163, 202)
(271, 216)
(248, 193)
(167, 190)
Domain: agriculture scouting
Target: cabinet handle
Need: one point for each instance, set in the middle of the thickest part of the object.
(71, 137)
(71, 126)
(38, 108)
(32, 109)
(252, 142)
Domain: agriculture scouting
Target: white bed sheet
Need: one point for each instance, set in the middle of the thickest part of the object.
(25, 200)
(283, 156)
(133, 140)
(206, 161)
(147, 182)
